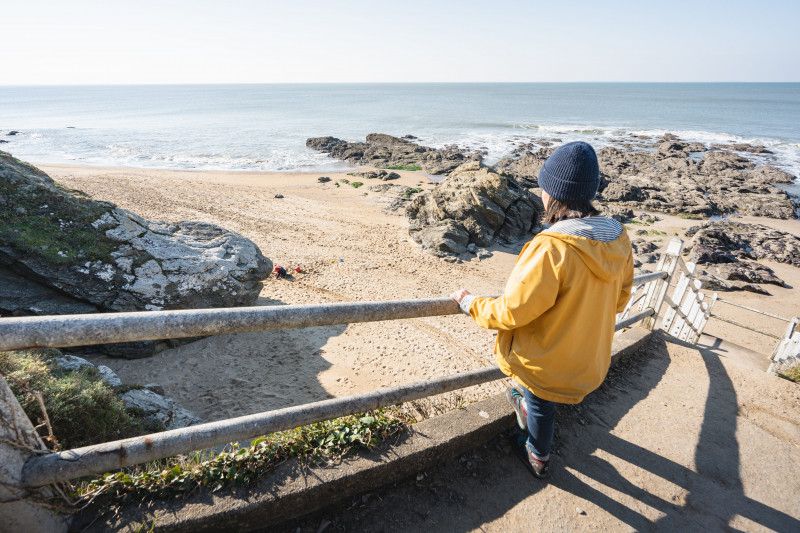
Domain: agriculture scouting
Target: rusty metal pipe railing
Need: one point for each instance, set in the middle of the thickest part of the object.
(103, 328)
(63, 331)
(101, 458)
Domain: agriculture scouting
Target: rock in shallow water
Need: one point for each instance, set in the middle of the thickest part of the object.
(383, 150)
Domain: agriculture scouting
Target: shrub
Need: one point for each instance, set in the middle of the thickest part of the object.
(408, 193)
(792, 373)
(356, 184)
(82, 409)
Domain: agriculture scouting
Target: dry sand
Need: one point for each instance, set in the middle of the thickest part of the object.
(350, 249)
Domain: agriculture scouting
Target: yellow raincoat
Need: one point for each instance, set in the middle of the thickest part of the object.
(556, 318)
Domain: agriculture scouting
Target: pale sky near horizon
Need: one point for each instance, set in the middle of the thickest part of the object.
(250, 41)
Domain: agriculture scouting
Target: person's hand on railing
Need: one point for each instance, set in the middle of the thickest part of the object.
(464, 299)
(459, 295)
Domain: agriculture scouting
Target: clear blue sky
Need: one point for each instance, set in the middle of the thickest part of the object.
(249, 41)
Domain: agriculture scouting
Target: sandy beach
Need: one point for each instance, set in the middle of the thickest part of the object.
(349, 248)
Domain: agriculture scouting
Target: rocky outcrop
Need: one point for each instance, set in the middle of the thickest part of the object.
(385, 151)
(157, 411)
(525, 166)
(670, 175)
(726, 253)
(376, 174)
(61, 252)
(473, 206)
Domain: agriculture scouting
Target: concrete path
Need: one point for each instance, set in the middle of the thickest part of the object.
(679, 438)
(734, 352)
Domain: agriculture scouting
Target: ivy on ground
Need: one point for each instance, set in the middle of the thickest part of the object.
(316, 443)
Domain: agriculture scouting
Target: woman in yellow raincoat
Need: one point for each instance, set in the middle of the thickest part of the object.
(555, 319)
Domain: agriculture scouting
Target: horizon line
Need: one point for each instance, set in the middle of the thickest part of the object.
(153, 84)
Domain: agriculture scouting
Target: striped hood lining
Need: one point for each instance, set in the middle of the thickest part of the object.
(594, 228)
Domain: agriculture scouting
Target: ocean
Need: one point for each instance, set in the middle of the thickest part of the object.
(264, 127)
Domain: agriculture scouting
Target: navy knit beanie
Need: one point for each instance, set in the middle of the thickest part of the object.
(571, 173)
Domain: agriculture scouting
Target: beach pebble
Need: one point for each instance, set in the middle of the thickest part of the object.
(278, 196)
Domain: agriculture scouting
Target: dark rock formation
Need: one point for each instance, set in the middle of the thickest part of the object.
(474, 205)
(726, 253)
(386, 151)
(674, 176)
(525, 167)
(62, 252)
(728, 242)
(376, 174)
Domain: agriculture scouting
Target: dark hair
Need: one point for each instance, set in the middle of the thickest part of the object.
(559, 210)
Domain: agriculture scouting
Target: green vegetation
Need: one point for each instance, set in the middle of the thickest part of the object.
(317, 443)
(690, 217)
(404, 167)
(356, 184)
(47, 220)
(81, 408)
(651, 232)
(791, 373)
(344, 180)
(408, 193)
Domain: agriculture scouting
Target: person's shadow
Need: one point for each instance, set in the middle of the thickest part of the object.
(714, 494)
(658, 488)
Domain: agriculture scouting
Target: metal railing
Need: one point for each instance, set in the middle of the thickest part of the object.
(79, 330)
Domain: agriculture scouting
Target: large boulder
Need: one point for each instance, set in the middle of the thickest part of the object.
(474, 205)
(381, 150)
(61, 252)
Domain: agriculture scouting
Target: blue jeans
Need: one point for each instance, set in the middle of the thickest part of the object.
(541, 423)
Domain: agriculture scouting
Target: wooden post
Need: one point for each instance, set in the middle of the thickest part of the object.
(787, 335)
(22, 509)
(704, 318)
(685, 307)
(695, 312)
(656, 290)
(677, 297)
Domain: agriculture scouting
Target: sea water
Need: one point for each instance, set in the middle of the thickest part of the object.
(264, 127)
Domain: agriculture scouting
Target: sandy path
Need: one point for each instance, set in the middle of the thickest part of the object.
(314, 225)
